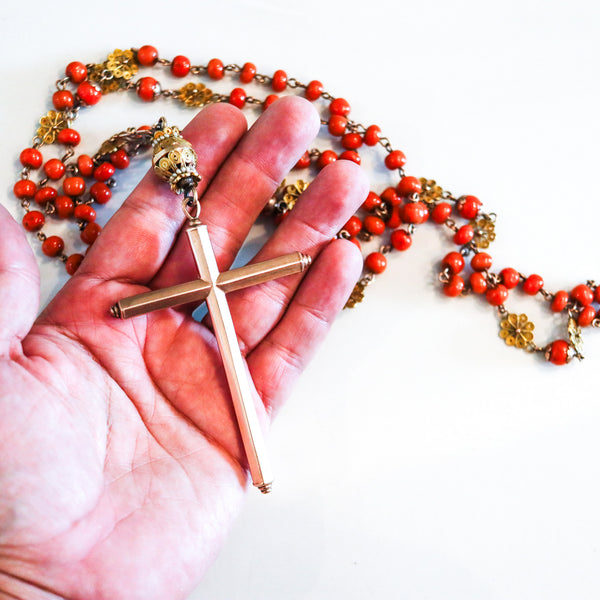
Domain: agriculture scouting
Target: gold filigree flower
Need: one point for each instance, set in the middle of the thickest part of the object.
(517, 330)
(121, 63)
(292, 192)
(104, 79)
(195, 94)
(357, 295)
(50, 125)
(484, 231)
(431, 191)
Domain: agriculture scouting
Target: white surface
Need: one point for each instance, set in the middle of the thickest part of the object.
(440, 463)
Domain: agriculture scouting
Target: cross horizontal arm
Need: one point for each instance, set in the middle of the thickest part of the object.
(197, 290)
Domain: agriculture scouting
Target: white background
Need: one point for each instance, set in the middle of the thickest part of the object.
(420, 457)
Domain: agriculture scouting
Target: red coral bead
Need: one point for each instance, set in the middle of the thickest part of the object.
(147, 56)
(376, 262)
(74, 186)
(455, 261)
(355, 242)
(69, 137)
(148, 89)
(464, 235)
(53, 245)
(374, 224)
(559, 301)
(408, 186)
(395, 220)
(76, 71)
(510, 277)
(85, 212)
(497, 296)
(478, 282)
(468, 207)
(180, 66)
(391, 197)
(441, 212)
(45, 194)
(33, 220)
(395, 160)
(415, 212)
(372, 135)
(401, 240)
(313, 90)
(303, 161)
(582, 294)
(215, 68)
(89, 93)
(237, 97)
(558, 352)
(64, 207)
(353, 226)
(350, 155)
(31, 157)
(482, 261)
(455, 286)
(327, 157)
(24, 188)
(85, 164)
(279, 81)
(90, 233)
(104, 171)
(54, 168)
(63, 100)
(100, 192)
(586, 316)
(248, 72)
(339, 106)
(351, 141)
(72, 263)
(120, 159)
(337, 125)
(533, 284)
(372, 201)
(269, 100)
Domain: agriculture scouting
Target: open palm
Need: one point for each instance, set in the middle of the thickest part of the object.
(121, 464)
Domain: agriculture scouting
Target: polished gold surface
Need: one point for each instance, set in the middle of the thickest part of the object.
(213, 287)
(197, 291)
(517, 330)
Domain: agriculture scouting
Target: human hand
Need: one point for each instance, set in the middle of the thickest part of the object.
(121, 464)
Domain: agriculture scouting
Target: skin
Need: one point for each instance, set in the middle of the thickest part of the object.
(121, 466)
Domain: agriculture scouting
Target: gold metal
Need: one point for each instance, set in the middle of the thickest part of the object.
(213, 287)
(195, 94)
(484, 231)
(173, 157)
(517, 330)
(292, 192)
(357, 295)
(197, 291)
(122, 64)
(575, 337)
(431, 192)
(51, 124)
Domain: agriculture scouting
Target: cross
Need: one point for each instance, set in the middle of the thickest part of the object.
(213, 286)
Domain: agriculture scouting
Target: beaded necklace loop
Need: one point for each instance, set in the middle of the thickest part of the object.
(70, 187)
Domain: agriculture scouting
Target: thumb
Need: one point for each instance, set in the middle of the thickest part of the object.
(19, 284)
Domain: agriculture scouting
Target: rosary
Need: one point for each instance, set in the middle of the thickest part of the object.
(390, 216)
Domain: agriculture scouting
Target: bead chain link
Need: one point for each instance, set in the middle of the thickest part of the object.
(411, 202)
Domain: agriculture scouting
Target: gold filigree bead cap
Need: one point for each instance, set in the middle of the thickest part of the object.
(174, 159)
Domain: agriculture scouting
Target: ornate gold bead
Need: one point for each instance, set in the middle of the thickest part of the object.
(174, 159)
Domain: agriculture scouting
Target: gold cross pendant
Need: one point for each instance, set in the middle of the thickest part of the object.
(212, 286)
